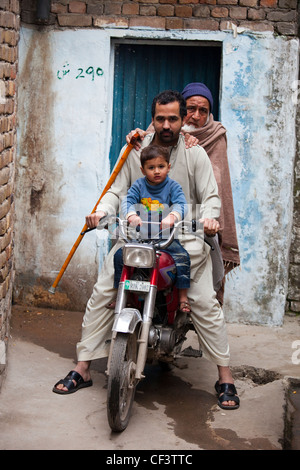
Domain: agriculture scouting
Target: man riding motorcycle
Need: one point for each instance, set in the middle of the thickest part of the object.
(192, 169)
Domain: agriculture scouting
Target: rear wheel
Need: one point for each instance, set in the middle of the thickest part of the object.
(121, 380)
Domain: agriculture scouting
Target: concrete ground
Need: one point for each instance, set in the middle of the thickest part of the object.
(174, 410)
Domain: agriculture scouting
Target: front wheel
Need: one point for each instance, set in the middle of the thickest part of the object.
(121, 380)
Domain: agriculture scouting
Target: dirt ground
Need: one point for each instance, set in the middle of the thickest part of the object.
(172, 410)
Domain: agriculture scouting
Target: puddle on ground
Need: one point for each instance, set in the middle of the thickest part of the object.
(190, 411)
(57, 331)
(187, 408)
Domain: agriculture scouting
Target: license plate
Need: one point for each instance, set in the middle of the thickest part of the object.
(137, 286)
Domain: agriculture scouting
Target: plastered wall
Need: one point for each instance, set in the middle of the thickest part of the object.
(65, 110)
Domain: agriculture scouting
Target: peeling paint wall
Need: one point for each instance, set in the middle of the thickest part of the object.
(61, 164)
(65, 108)
(261, 133)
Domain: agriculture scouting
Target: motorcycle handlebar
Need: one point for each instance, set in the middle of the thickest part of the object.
(192, 227)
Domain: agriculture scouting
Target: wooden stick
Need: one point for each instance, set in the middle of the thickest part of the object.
(108, 185)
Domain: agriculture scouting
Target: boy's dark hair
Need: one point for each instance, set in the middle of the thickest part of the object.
(169, 96)
(153, 151)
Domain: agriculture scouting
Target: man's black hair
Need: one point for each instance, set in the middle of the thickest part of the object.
(169, 96)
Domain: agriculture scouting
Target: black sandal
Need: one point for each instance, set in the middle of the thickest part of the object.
(227, 392)
(69, 384)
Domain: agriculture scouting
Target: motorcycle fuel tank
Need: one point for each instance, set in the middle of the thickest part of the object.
(167, 271)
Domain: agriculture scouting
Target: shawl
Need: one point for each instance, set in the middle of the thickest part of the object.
(212, 137)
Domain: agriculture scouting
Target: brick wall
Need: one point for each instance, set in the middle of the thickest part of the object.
(9, 36)
(278, 16)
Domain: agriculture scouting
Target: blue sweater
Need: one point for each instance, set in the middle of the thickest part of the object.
(157, 199)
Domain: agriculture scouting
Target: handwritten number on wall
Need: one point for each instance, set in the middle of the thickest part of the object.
(90, 72)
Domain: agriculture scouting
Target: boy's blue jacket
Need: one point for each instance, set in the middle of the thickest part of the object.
(165, 197)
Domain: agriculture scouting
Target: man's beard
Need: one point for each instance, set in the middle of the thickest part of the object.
(167, 137)
(192, 127)
(189, 128)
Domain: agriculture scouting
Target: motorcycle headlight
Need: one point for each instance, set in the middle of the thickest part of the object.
(139, 256)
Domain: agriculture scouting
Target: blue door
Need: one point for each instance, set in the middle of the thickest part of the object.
(142, 71)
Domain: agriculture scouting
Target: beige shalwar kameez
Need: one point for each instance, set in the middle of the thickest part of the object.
(192, 169)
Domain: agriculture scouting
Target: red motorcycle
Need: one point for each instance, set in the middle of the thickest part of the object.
(147, 326)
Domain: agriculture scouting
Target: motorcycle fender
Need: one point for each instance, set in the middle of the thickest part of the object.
(126, 320)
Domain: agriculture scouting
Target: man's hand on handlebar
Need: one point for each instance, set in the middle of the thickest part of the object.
(210, 226)
(92, 220)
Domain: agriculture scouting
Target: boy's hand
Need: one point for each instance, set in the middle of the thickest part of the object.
(134, 220)
(168, 221)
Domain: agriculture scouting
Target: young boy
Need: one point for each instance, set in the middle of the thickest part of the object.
(158, 198)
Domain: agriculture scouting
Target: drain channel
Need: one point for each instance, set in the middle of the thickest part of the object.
(258, 375)
(292, 416)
